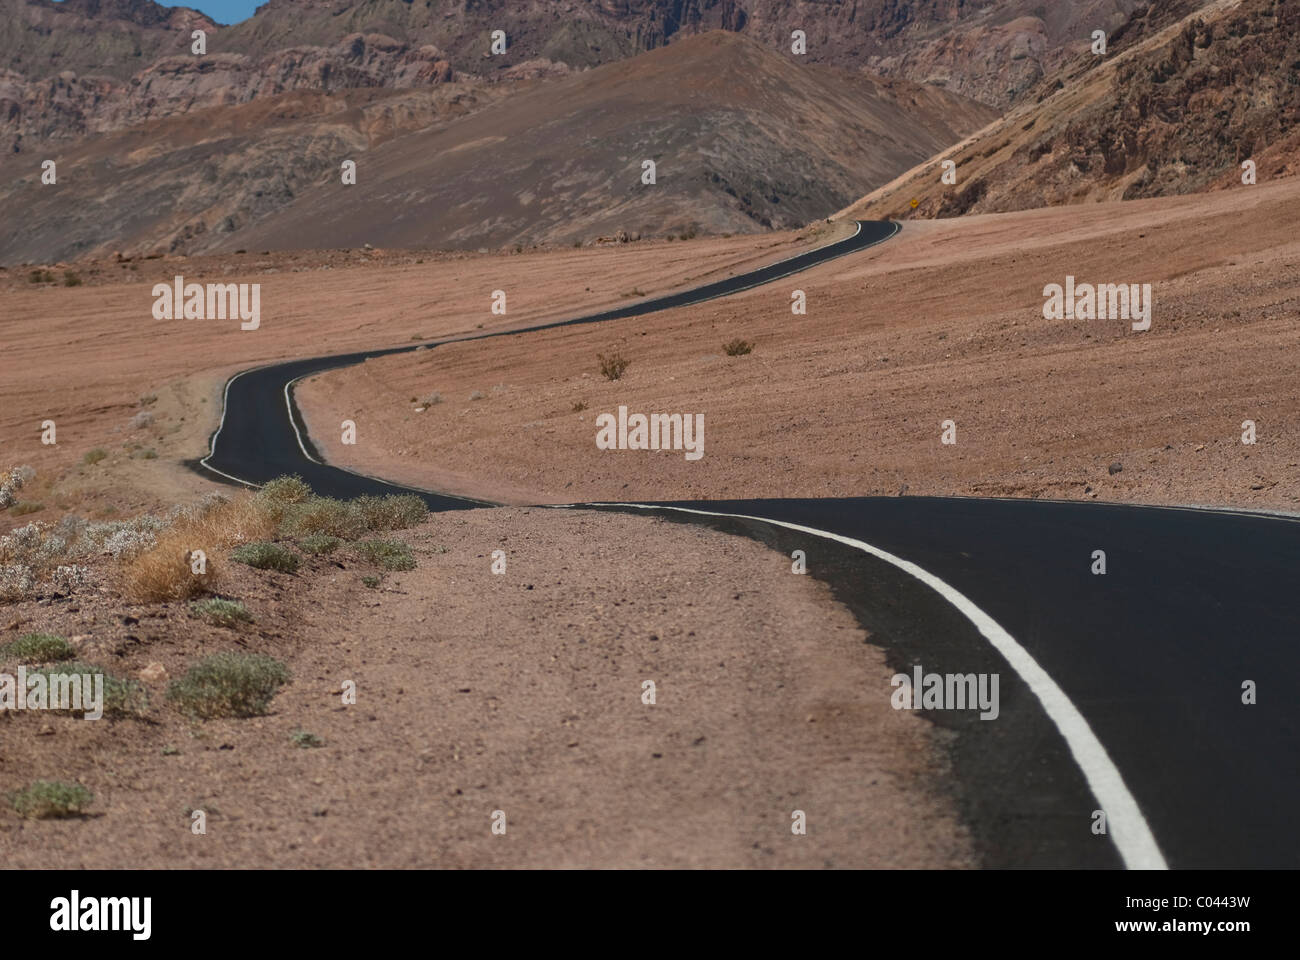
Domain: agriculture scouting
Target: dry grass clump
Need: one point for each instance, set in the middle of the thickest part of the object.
(159, 556)
(167, 570)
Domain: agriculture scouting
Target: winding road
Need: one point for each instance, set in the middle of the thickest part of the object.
(1120, 692)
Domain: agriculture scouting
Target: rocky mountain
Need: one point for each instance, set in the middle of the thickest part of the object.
(107, 38)
(742, 140)
(990, 50)
(1184, 95)
(83, 67)
(68, 106)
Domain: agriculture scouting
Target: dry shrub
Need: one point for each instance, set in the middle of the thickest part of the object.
(612, 367)
(164, 571)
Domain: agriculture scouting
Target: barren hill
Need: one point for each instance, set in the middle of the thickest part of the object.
(1185, 94)
(742, 139)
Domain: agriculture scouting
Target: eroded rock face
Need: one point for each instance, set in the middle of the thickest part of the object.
(745, 142)
(1186, 95)
(67, 106)
(92, 66)
(991, 50)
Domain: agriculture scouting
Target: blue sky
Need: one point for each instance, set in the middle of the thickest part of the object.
(222, 11)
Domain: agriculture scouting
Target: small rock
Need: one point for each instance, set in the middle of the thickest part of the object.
(1115, 468)
(154, 673)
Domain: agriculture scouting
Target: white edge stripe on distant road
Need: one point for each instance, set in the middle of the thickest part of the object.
(1127, 827)
(288, 411)
(225, 393)
(212, 444)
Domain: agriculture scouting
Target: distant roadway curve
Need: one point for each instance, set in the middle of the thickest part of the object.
(255, 443)
(1120, 692)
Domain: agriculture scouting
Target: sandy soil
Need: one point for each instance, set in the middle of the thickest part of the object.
(97, 350)
(518, 692)
(944, 322)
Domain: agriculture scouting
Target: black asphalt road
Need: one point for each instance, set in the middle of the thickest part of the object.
(1153, 654)
(257, 441)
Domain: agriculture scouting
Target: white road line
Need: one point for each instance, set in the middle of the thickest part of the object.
(288, 410)
(1127, 827)
(212, 444)
(225, 394)
(762, 283)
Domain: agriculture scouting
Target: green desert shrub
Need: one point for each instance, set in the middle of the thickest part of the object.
(319, 543)
(351, 519)
(266, 556)
(37, 648)
(221, 613)
(122, 698)
(287, 489)
(301, 514)
(228, 685)
(393, 512)
(389, 554)
(324, 515)
(51, 799)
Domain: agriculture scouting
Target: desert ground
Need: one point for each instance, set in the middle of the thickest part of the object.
(98, 351)
(944, 322)
(520, 693)
(545, 723)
